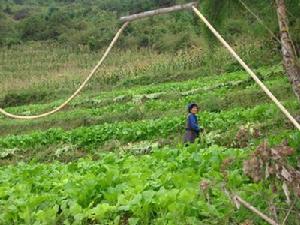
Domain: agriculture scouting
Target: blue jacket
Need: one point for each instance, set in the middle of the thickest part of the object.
(192, 123)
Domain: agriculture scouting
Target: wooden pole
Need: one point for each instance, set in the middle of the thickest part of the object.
(158, 12)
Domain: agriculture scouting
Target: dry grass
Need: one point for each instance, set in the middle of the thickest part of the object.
(40, 66)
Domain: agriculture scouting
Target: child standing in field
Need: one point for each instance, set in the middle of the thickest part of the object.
(192, 128)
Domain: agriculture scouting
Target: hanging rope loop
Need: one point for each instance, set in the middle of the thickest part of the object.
(212, 29)
(13, 116)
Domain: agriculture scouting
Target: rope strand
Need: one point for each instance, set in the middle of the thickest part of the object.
(219, 37)
(246, 67)
(13, 116)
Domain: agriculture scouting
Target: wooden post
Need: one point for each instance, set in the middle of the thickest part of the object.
(158, 12)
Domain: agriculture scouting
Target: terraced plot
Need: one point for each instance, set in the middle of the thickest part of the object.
(117, 157)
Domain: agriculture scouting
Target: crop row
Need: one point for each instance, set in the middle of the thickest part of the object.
(176, 87)
(94, 136)
(150, 189)
(147, 107)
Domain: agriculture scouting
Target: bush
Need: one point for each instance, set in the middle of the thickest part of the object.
(8, 33)
(14, 99)
(21, 14)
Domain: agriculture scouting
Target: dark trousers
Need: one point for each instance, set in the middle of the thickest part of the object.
(190, 136)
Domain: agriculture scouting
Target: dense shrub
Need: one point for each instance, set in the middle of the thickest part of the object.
(92, 23)
(23, 98)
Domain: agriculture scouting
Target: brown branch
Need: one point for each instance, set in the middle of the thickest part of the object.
(288, 213)
(158, 12)
(253, 209)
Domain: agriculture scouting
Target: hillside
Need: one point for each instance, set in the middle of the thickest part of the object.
(115, 154)
(92, 23)
(127, 141)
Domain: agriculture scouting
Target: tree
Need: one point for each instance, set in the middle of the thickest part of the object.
(288, 54)
(215, 10)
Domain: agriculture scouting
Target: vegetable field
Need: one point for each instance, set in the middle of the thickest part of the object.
(117, 157)
(163, 186)
(115, 153)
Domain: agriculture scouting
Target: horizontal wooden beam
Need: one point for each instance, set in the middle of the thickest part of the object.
(158, 12)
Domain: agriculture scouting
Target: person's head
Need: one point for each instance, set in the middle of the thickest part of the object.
(193, 108)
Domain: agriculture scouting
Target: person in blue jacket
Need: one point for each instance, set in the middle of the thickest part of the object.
(192, 128)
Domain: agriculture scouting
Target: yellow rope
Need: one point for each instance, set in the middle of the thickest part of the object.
(219, 37)
(78, 90)
(246, 67)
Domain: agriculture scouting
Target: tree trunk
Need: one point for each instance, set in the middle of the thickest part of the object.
(289, 57)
